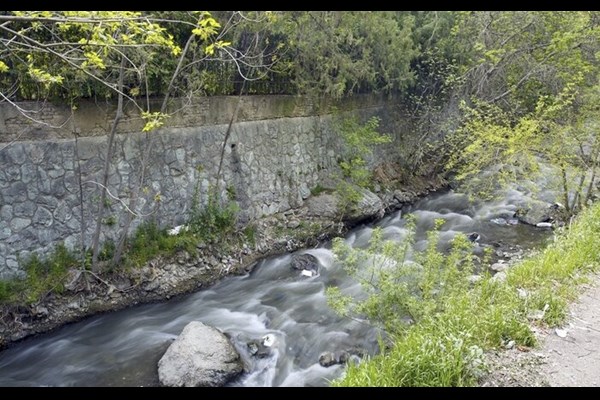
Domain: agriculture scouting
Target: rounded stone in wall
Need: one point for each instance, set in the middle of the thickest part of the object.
(32, 192)
(6, 212)
(16, 154)
(16, 192)
(13, 172)
(43, 217)
(47, 236)
(27, 172)
(36, 154)
(56, 172)
(12, 263)
(25, 209)
(62, 212)
(5, 232)
(18, 224)
(71, 183)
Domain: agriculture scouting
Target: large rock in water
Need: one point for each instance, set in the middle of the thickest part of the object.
(535, 211)
(369, 206)
(305, 262)
(326, 205)
(200, 356)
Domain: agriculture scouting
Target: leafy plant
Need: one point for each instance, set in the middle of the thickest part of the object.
(359, 140)
(400, 291)
(214, 219)
(454, 321)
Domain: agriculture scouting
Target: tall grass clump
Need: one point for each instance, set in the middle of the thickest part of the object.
(437, 323)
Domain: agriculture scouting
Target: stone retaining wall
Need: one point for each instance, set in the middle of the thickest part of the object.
(282, 147)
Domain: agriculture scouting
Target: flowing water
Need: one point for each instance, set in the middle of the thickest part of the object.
(123, 348)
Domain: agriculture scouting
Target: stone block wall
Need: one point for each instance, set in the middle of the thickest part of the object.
(276, 153)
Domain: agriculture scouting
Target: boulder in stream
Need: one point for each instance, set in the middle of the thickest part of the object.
(329, 358)
(327, 205)
(305, 262)
(200, 356)
(369, 206)
(474, 237)
(535, 212)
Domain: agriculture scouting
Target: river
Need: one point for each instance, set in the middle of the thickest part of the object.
(123, 348)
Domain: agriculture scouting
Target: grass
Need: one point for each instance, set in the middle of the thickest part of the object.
(42, 277)
(250, 233)
(445, 347)
(214, 220)
(150, 241)
(213, 223)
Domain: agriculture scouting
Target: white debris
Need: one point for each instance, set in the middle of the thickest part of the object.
(177, 230)
(268, 340)
(561, 332)
(544, 225)
(306, 272)
(538, 314)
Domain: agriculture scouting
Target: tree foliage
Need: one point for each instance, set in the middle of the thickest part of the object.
(337, 53)
(42, 51)
(402, 286)
(528, 95)
(359, 142)
(68, 55)
(319, 52)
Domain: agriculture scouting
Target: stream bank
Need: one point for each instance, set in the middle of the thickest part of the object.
(166, 277)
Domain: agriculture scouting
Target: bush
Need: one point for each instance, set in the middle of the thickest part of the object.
(359, 140)
(43, 276)
(215, 219)
(400, 292)
(454, 324)
(149, 241)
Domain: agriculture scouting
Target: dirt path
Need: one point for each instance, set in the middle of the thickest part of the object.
(572, 360)
(575, 359)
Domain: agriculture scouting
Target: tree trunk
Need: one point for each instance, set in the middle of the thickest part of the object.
(579, 193)
(109, 154)
(76, 153)
(134, 197)
(565, 189)
(227, 134)
(590, 189)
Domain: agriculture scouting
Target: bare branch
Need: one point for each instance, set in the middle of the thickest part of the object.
(90, 20)
(129, 210)
(73, 64)
(25, 113)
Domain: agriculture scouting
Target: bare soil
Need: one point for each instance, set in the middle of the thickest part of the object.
(566, 356)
